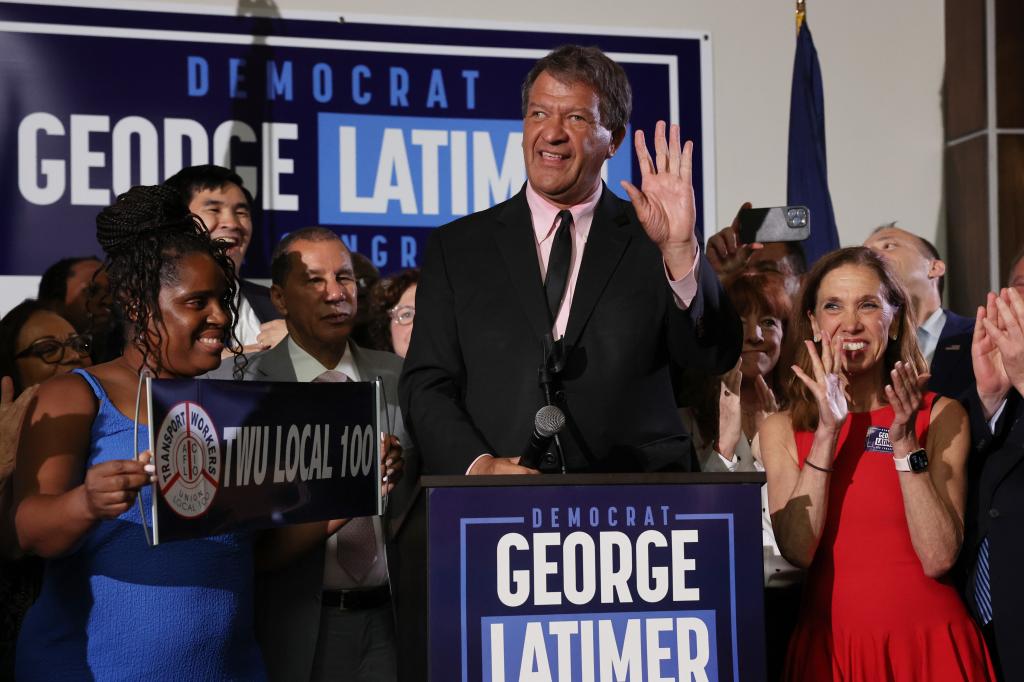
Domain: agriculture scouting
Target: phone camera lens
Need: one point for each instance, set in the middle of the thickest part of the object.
(796, 217)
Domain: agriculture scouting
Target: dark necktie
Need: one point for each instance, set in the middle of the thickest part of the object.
(559, 263)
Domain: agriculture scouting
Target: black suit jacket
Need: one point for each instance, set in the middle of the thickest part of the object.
(951, 368)
(469, 384)
(995, 508)
(258, 297)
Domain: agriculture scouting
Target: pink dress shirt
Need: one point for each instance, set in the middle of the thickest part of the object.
(544, 227)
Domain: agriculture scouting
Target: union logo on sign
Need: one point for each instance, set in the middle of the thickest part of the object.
(188, 460)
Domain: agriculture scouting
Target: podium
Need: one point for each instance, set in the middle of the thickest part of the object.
(582, 577)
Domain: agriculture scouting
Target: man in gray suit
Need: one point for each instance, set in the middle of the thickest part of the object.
(329, 614)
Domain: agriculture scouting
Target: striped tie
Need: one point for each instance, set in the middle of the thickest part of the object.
(982, 588)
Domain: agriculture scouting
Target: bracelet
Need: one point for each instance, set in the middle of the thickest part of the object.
(811, 464)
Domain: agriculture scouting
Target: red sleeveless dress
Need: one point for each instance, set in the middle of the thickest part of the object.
(869, 612)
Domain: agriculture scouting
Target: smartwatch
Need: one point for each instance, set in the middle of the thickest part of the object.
(916, 461)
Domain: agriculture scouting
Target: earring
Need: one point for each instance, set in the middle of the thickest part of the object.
(817, 339)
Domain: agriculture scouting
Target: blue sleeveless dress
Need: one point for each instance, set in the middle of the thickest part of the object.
(116, 609)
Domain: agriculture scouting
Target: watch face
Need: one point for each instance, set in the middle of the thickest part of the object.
(918, 460)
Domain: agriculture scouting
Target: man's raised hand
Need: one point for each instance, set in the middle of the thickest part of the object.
(664, 203)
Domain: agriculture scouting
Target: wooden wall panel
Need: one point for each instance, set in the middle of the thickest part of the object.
(1009, 63)
(967, 224)
(964, 101)
(1011, 201)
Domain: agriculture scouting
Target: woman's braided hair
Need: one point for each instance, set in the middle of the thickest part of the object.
(145, 233)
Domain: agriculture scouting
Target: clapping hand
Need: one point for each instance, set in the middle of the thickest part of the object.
(1007, 333)
(989, 374)
(12, 412)
(767, 405)
(271, 333)
(730, 421)
(904, 396)
(830, 385)
(664, 202)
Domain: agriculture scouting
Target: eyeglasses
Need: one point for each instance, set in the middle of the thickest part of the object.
(402, 314)
(51, 350)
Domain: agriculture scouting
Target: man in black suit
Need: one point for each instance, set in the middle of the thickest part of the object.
(217, 195)
(622, 287)
(993, 554)
(944, 336)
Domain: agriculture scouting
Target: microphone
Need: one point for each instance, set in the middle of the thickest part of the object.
(548, 422)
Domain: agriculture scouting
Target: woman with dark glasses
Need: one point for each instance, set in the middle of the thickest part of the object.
(36, 344)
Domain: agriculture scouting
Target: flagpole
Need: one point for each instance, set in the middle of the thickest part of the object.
(801, 12)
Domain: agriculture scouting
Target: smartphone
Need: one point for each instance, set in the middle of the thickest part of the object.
(777, 224)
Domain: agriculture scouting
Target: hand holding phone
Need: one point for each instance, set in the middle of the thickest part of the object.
(777, 224)
(725, 252)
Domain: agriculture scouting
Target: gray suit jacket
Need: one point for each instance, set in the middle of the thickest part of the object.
(288, 600)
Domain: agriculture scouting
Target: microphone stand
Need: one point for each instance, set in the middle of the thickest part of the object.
(552, 362)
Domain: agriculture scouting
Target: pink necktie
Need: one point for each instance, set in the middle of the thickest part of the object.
(332, 376)
(357, 540)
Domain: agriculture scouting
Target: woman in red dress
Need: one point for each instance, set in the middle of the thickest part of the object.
(866, 487)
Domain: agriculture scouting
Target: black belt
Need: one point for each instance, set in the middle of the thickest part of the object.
(356, 600)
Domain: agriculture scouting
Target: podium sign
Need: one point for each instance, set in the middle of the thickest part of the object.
(596, 582)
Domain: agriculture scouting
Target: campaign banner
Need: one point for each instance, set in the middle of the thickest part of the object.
(646, 583)
(380, 129)
(236, 455)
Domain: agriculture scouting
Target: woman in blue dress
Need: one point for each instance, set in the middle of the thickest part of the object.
(111, 607)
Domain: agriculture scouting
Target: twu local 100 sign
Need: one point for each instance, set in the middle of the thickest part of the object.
(651, 583)
(234, 455)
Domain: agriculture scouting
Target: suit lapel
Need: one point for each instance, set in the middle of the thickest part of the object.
(514, 236)
(368, 370)
(1000, 463)
(605, 245)
(276, 364)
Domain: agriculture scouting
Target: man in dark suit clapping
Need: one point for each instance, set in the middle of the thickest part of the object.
(993, 554)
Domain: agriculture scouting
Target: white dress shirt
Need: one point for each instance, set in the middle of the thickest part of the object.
(928, 334)
(247, 328)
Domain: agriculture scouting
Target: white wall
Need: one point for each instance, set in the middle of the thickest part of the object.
(882, 65)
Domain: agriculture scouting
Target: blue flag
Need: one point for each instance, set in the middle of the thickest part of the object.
(807, 181)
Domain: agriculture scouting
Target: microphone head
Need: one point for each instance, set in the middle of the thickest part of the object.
(549, 421)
